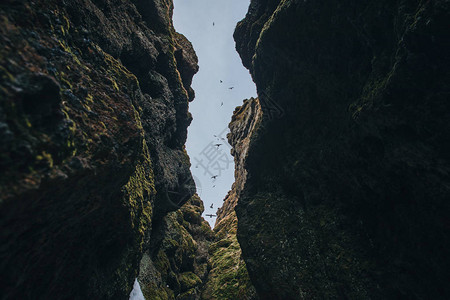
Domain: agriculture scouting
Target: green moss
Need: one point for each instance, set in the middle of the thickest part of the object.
(224, 243)
(47, 157)
(27, 122)
(139, 190)
(162, 263)
(188, 280)
(154, 292)
(117, 72)
(90, 99)
(228, 278)
(70, 143)
(181, 262)
(111, 86)
(191, 294)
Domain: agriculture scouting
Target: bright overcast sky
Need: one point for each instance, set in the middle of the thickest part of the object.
(218, 61)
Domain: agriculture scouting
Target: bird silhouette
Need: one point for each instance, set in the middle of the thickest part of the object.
(221, 104)
(220, 81)
(218, 145)
(214, 177)
(211, 205)
(210, 216)
(230, 88)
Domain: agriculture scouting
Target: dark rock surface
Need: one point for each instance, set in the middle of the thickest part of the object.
(348, 186)
(176, 265)
(93, 116)
(342, 163)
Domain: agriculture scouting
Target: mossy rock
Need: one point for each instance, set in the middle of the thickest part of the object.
(188, 280)
(181, 262)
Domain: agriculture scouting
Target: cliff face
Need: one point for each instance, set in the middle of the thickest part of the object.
(176, 264)
(186, 259)
(228, 278)
(93, 116)
(244, 123)
(348, 174)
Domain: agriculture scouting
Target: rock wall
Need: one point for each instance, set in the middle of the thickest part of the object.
(228, 277)
(93, 116)
(176, 265)
(348, 180)
(244, 122)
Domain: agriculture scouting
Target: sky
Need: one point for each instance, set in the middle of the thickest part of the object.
(209, 25)
(214, 101)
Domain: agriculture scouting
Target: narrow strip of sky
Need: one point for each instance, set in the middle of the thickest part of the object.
(221, 84)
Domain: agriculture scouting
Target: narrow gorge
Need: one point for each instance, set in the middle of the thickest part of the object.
(342, 162)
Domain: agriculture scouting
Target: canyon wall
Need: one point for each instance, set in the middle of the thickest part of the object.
(342, 163)
(348, 183)
(177, 263)
(228, 277)
(93, 117)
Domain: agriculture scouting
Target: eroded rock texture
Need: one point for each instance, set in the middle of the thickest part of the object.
(176, 265)
(228, 278)
(93, 116)
(348, 187)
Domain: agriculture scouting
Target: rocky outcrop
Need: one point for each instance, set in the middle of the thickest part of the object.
(228, 278)
(176, 265)
(93, 116)
(348, 174)
(244, 123)
(186, 259)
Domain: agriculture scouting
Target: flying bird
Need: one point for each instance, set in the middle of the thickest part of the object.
(214, 177)
(218, 145)
(220, 81)
(221, 104)
(230, 88)
(210, 216)
(211, 205)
